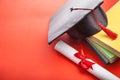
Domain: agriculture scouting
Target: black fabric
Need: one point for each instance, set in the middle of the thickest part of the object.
(88, 26)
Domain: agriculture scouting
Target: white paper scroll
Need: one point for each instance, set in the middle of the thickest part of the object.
(98, 71)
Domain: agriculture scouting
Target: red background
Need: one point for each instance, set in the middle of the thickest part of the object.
(24, 51)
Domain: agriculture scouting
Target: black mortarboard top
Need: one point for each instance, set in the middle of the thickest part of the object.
(78, 24)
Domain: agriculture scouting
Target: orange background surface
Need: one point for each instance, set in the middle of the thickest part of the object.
(24, 50)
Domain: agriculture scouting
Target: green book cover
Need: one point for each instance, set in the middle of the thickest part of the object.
(108, 54)
(96, 50)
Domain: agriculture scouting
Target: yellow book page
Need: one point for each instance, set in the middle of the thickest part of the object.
(113, 24)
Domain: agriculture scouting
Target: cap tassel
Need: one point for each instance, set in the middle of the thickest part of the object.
(110, 33)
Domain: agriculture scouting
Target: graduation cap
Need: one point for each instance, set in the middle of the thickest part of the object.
(80, 19)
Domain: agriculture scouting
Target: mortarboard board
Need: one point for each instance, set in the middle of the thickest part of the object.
(78, 24)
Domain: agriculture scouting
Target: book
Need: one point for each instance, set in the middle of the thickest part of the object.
(114, 24)
(103, 51)
(98, 53)
(109, 55)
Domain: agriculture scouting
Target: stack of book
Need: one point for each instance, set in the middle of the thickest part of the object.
(108, 50)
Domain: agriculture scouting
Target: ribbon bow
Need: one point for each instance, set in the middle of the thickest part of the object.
(84, 63)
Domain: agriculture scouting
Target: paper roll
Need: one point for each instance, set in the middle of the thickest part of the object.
(98, 71)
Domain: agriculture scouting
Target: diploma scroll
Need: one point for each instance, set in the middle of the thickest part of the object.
(95, 69)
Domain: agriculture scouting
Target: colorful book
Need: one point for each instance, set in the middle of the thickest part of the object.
(109, 55)
(103, 51)
(95, 49)
(114, 24)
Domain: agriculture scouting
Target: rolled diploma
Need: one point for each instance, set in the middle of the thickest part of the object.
(98, 71)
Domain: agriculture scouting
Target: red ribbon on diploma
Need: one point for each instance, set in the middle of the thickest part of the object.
(84, 63)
